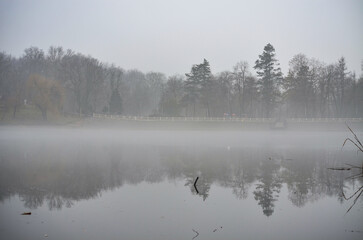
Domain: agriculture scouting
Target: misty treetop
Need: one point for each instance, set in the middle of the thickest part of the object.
(198, 86)
(269, 77)
(63, 81)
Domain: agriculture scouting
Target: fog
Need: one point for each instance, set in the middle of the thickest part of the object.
(126, 179)
(169, 36)
(176, 138)
(181, 119)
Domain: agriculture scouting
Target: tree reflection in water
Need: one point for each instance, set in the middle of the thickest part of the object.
(268, 186)
(60, 176)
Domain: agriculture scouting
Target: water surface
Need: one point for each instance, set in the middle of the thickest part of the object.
(113, 184)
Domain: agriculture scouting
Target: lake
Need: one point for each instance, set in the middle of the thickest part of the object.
(117, 184)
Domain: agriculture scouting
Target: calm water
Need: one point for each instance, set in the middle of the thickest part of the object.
(112, 184)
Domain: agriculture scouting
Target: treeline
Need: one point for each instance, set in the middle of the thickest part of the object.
(64, 81)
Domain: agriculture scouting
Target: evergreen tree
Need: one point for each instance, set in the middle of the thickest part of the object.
(207, 92)
(269, 75)
(192, 88)
(197, 85)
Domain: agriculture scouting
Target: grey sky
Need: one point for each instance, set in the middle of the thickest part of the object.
(171, 35)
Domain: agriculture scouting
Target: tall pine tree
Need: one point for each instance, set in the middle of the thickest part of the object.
(269, 75)
(197, 86)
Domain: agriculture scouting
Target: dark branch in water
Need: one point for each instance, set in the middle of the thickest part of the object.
(355, 176)
(195, 184)
(352, 194)
(359, 145)
(355, 137)
(341, 169)
(360, 191)
(350, 140)
(353, 166)
(195, 232)
(357, 231)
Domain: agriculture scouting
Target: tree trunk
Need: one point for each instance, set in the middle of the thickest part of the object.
(230, 106)
(44, 115)
(193, 109)
(14, 111)
(341, 101)
(44, 112)
(79, 110)
(239, 100)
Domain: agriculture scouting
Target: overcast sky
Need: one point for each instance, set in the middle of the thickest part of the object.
(170, 36)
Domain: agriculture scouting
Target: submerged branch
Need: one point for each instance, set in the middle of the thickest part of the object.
(355, 176)
(196, 233)
(341, 169)
(355, 137)
(195, 185)
(360, 191)
(353, 166)
(350, 140)
(361, 188)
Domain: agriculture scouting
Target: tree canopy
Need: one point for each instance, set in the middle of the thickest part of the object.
(65, 81)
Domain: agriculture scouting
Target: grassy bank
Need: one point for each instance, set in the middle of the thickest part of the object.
(31, 115)
(216, 126)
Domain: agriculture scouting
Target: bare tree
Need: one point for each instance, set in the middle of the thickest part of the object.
(45, 93)
(155, 81)
(226, 80)
(240, 71)
(83, 76)
(172, 95)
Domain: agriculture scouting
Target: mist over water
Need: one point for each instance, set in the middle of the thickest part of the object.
(140, 184)
(181, 119)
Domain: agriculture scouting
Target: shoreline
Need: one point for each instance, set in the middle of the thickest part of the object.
(201, 125)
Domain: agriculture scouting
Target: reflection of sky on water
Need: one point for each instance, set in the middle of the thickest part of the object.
(60, 172)
(152, 184)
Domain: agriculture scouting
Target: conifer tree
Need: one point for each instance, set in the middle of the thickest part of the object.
(269, 74)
